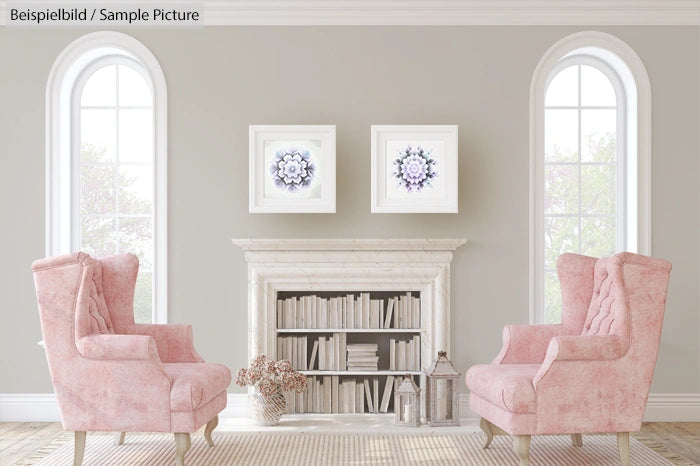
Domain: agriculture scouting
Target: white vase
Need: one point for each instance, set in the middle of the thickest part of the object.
(268, 409)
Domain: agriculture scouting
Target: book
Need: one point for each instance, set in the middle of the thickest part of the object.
(336, 351)
(280, 313)
(409, 305)
(314, 350)
(350, 299)
(392, 354)
(351, 392)
(359, 397)
(308, 319)
(388, 388)
(375, 394)
(344, 312)
(416, 353)
(381, 313)
(401, 352)
(322, 354)
(304, 353)
(389, 313)
(365, 310)
(327, 389)
(415, 315)
(374, 313)
(299, 303)
(334, 394)
(368, 396)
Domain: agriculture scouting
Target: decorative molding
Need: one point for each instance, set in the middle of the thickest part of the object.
(335, 244)
(431, 12)
(42, 407)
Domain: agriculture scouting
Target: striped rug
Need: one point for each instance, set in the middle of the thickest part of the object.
(306, 449)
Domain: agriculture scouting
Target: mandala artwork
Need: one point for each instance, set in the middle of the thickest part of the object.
(292, 169)
(414, 168)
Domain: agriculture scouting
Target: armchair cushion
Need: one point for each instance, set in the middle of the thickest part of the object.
(508, 386)
(195, 384)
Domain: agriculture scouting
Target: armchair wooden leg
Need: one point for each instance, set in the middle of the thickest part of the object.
(211, 425)
(522, 448)
(119, 438)
(577, 440)
(486, 427)
(79, 447)
(182, 444)
(623, 446)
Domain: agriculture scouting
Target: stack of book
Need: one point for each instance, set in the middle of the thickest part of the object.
(362, 356)
(404, 355)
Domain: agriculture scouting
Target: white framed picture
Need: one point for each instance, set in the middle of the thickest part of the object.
(292, 168)
(414, 168)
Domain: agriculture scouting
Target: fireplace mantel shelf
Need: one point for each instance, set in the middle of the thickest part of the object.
(350, 244)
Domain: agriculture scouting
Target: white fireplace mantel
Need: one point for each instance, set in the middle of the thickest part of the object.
(409, 264)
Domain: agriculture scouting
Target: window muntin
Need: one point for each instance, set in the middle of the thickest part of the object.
(584, 167)
(113, 203)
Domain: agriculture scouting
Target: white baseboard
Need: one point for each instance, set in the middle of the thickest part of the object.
(32, 407)
(42, 407)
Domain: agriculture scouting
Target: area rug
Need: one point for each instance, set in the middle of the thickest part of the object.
(306, 449)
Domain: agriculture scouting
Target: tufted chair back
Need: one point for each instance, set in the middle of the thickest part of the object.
(91, 312)
(608, 312)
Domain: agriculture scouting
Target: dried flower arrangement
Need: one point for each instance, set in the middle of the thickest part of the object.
(270, 376)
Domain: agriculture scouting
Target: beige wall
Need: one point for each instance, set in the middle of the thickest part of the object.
(220, 80)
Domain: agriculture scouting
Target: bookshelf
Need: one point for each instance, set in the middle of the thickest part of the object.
(354, 347)
(285, 267)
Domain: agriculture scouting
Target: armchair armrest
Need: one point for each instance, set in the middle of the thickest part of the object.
(580, 353)
(175, 342)
(586, 347)
(526, 344)
(118, 347)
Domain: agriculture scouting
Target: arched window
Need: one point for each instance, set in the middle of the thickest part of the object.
(590, 104)
(106, 159)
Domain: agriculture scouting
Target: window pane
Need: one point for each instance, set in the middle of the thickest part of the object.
(560, 135)
(135, 189)
(596, 88)
(563, 88)
(136, 136)
(560, 236)
(133, 89)
(136, 237)
(598, 236)
(98, 128)
(561, 189)
(98, 235)
(598, 135)
(143, 297)
(97, 188)
(598, 189)
(552, 298)
(101, 88)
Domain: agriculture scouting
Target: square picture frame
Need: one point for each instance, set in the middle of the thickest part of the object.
(291, 168)
(414, 168)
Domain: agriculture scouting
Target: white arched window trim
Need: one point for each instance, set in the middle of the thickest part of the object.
(60, 138)
(626, 64)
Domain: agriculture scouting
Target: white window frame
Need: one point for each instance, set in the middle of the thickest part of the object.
(61, 141)
(635, 139)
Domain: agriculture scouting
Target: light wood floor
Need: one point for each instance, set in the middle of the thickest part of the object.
(19, 440)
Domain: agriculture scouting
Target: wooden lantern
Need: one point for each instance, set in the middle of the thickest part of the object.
(442, 395)
(407, 403)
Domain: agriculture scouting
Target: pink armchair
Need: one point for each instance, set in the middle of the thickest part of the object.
(111, 374)
(592, 372)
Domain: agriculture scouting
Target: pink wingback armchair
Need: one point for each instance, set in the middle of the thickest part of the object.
(592, 372)
(111, 374)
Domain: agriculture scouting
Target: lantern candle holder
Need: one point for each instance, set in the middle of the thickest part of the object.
(407, 403)
(442, 394)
